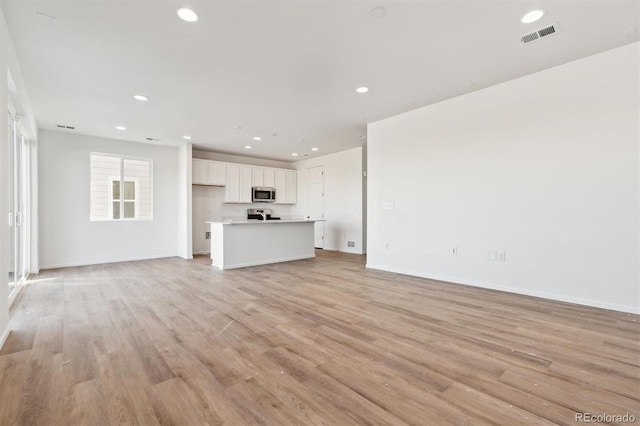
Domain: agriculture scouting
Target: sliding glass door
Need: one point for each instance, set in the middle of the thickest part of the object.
(17, 200)
(12, 228)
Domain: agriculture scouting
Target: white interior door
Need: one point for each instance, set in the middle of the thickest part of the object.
(315, 201)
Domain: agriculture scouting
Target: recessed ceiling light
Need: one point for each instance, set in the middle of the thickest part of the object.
(140, 98)
(187, 137)
(247, 146)
(257, 138)
(121, 128)
(295, 154)
(187, 15)
(314, 149)
(532, 16)
(377, 12)
(362, 89)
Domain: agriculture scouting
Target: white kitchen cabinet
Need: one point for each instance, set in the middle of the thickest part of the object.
(238, 189)
(281, 186)
(269, 177)
(217, 173)
(286, 186)
(199, 172)
(292, 187)
(206, 172)
(257, 176)
(238, 179)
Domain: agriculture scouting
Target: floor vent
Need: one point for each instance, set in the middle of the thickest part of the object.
(541, 33)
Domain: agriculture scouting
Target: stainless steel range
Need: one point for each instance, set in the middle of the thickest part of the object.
(261, 214)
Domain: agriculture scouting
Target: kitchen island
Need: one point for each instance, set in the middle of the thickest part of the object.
(240, 243)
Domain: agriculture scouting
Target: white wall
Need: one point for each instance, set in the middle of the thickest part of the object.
(67, 237)
(543, 168)
(343, 198)
(9, 66)
(4, 185)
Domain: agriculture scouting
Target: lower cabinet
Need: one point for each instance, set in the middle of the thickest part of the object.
(238, 189)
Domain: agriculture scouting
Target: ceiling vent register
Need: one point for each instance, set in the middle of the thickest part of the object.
(541, 33)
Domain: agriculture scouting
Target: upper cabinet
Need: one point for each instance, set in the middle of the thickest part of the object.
(257, 176)
(239, 182)
(238, 179)
(263, 176)
(286, 186)
(269, 178)
(206, 172)
(292, 187)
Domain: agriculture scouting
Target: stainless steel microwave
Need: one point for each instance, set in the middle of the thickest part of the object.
(262, 194)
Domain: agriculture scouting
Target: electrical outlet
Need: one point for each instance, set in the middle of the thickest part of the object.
(454, 250)
(207, 235)
(388, 206)
(492, 255)
(351, 243)
(502, 256)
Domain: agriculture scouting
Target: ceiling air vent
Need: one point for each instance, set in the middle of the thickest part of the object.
(538, 34)
(153, 139)
(60, 126)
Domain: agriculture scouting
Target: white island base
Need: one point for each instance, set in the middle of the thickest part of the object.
(236, 244)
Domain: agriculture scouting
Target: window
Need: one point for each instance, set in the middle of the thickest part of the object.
(120, 188)
(127, 205)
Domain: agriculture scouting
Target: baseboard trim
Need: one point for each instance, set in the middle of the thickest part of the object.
(102, 262)
(4, 336)
(343, 250)
(524, 292)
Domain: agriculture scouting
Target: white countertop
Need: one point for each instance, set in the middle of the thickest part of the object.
(264, 222)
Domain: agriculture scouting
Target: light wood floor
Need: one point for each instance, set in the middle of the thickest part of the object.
(319, 341)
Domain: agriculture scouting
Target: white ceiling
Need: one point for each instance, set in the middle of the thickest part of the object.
(283, 67)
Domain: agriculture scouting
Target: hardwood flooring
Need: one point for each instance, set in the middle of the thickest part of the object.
(320, 341)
